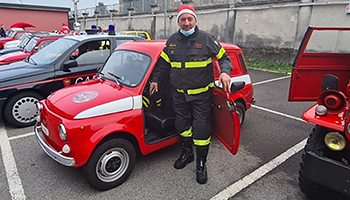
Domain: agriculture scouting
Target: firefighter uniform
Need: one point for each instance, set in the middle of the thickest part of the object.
(189, 60)
(187, 57)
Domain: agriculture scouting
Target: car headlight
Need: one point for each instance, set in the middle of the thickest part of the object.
(321, 110)
(335, 141)
(62, 132)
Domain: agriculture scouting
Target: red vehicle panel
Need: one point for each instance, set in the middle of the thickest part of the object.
(103, 121)
(321, 72)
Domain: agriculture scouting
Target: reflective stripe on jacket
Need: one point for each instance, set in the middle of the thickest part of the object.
(189, 60)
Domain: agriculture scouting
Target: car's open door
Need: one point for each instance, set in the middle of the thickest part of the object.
(322, 52)
(225, 120)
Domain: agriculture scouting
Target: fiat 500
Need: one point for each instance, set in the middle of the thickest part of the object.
(102, 123)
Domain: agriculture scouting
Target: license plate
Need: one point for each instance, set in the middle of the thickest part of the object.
(45, 130)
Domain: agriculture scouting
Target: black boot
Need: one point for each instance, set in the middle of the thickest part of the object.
(202, 152)
(186, 154)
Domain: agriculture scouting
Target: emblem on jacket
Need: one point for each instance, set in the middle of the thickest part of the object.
(172, 46)
(198, 45)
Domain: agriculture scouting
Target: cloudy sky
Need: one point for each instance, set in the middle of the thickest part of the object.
(62, 3)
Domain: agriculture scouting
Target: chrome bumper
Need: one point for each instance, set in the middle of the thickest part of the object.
(57, 156)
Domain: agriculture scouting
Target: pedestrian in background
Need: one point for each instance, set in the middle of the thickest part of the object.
(65, 30)
(188, 56)
(2, 30)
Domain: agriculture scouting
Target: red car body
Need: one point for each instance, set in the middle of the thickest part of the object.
(35, 44)
(109, 108)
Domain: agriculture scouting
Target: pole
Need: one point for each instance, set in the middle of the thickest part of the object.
(165, 14)
(75, 10)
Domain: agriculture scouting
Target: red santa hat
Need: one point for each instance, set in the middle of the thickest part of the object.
(186, 9)
(64, 25)
(2, 25)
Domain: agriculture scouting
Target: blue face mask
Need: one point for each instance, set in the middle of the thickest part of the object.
(187, 33)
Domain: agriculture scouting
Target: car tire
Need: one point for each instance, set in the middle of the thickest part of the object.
(20, 110)
(241, 112)
(315, 144)
(110, 164)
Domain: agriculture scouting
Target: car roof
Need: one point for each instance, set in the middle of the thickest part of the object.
(86, 37)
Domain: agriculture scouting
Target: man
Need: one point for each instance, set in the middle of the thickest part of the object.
(187, 56)
(65, 30)
(2, 31)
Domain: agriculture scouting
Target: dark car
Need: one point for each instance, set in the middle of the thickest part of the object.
(66, 61)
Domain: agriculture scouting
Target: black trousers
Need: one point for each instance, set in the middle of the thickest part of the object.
(193, 112)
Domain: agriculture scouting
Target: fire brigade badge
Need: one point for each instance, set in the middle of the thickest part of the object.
(172, 46)
(198, 46)
(66, 82)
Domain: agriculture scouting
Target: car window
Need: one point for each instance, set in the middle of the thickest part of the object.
(143, 35)
(18, 35)
(132, 33)
(337, 41)
(91, 52)
(129, 66)
(31, 44)
(119, 41)
(24, 41)
(44, 44)
(52, 51)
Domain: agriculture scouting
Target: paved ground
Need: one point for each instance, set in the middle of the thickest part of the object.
(265, 168)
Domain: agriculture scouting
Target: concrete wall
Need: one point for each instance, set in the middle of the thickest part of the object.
(267, 31)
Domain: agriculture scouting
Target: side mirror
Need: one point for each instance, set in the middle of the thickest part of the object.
(69, 64)
(236, 86)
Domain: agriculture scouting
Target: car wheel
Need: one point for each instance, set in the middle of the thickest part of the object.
(21, 111)
(110, 164)
(315, 144)
(240, 111)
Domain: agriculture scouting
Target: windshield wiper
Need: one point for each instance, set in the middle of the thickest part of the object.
(117, 78)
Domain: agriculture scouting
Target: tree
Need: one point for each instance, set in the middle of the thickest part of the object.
(101, 9)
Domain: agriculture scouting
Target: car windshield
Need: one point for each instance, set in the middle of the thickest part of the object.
(24, 41)
(52, 51)
(126, 67)
(31, 44)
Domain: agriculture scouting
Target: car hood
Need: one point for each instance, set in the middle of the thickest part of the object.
(91, 99)
(18, 70)
(14, 56)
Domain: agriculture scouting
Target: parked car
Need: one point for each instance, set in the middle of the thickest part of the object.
(35, 44)
(321, 73)
(13, 34)
(143, 34)
(64, 62)
(102, 123)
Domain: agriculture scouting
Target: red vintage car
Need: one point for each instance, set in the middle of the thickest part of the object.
(102, 123)
(35, 44)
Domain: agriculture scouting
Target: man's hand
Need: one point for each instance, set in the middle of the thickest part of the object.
(225, 80)
(153, 88)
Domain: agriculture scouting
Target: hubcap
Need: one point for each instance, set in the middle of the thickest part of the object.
(24, 110)
(112, 165)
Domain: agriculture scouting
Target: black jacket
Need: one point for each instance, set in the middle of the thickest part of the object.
(189, 60)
